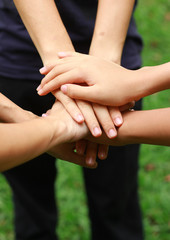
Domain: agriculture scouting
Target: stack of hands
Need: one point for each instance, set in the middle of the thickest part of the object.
(91, 98)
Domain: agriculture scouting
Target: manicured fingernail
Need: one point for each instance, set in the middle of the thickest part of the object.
(118, 121)
(79, 118)
(112, 133)
(97, 131)
(43, 69)
(64, 88)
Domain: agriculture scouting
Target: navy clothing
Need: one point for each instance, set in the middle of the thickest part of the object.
(112, 187)
(17, 50)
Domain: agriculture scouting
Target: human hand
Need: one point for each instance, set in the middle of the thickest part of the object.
(86, 151)
(106, 83)
(66, 151)
(94, 115)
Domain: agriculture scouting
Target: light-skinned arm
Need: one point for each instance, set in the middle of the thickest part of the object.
(25, 136)
(147, 127)
(120, 86)
(112, 22)
(49, 35)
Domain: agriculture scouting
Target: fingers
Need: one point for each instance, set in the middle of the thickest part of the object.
(54, 80)
(116, 116)
(67, 153)
(81, 146)
(102, 151)
(90, 118)
(105, 120)
(70, 106)
(46, 69)
(91, 154)
(80, 92)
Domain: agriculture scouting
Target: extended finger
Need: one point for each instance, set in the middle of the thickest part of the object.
(91, 153)
(105, 120)
(70, 105)
(81, 146)
(90, 118)
(116, 116)
(102, 151)
(53, 83)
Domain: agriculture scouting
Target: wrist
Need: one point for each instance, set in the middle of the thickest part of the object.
(106, 50)
(57, 130)
(150, 80)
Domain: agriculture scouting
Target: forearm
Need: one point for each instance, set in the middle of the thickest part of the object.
(148, 127)
(113, 17)
(45, 27)
(12, 113)
(21, 142)
(149, 80)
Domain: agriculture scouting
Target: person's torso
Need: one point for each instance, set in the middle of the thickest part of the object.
(18, 56)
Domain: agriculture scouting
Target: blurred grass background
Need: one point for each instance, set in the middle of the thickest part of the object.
(153, 20)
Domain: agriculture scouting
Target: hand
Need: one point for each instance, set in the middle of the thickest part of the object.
(93, 115)
(106, 82)
(66, 151)
(59, 118)
(73, 131)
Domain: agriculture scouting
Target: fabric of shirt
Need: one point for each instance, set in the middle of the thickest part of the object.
(18, 55)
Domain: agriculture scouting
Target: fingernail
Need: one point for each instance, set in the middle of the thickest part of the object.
(97, 131)
(112, 133)
(103, 155)
(79, 118)
(64, 88)
(38, 88)
(118, 121)
(43, 69)
(40, 91)
(90, 161)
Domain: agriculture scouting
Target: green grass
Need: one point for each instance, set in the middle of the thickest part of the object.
(153, 20)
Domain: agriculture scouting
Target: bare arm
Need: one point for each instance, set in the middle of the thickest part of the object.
(27, 136)
(45, 27)
(112, 22)
(147, 127)
(119, 87)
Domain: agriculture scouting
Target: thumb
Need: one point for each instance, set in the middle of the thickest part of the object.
(78, 92)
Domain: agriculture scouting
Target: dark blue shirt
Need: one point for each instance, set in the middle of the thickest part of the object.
(20, 59)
